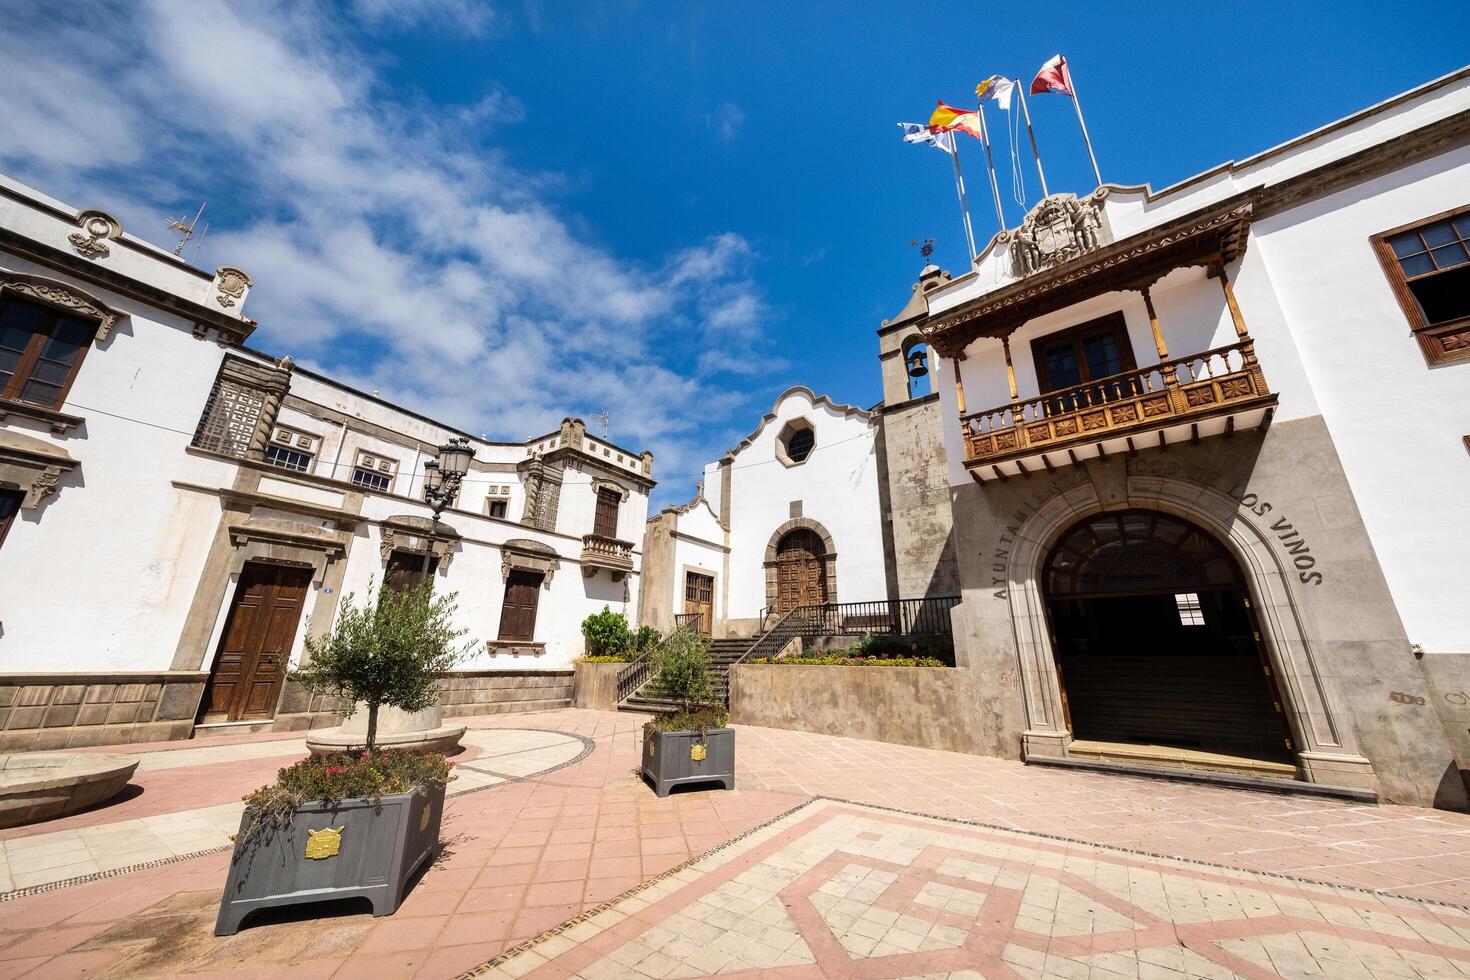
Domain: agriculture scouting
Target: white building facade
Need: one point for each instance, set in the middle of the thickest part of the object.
(177, 511)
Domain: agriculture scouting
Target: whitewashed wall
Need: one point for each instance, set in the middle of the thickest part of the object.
(838, 488)
(1397, 423)
(100, 577)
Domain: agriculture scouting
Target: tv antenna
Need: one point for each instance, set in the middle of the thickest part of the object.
(185, 230)
(925, 247)
(601, 419)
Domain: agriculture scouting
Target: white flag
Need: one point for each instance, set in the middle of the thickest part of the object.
(997, 89)
(918, 133)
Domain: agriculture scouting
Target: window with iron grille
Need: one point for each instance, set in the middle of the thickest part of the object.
(291, 459)
(1428, 266)
(41, 351)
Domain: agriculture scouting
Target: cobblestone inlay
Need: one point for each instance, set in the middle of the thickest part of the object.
(841, 889)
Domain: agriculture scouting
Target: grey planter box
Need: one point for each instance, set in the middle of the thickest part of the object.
(667, 762)
(382, 844)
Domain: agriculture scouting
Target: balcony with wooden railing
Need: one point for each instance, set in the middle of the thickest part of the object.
(602, 552)
(1217, 391)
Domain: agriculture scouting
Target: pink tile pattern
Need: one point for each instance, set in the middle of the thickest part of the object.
(843, 890)
(526, 857)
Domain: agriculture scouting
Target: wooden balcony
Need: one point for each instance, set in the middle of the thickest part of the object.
(1214, 392)
(599, 551)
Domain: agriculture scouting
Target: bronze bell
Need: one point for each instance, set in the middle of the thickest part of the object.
(918, 363)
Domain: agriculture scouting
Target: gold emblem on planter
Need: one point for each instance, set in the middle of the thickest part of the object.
(652, 747)
(697, 752)
(324, 843)
(424, 817)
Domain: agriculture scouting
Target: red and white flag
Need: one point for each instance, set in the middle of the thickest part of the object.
(1053, 77)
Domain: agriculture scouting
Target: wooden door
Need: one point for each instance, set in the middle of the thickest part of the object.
(406, 570)
(250, 665)
(1094, 351)
(801, 571)
(699, 599)
(518, 614)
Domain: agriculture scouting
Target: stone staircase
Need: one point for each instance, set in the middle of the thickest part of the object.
(722, 653)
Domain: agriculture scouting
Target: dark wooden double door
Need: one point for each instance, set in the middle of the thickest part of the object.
(699, 600)
(250, 664)
(801, 571)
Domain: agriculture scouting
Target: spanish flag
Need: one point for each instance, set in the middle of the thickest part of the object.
(947, 119)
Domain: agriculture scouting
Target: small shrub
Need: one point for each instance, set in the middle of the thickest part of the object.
(606, 633)
(341, 777)
(681, 666)
(611, 658)
(699, 720)
(387, 651)
(644, 640)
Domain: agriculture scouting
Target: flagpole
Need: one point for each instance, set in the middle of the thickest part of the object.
(1021, 91)
(1077, 104)
(990, 165)
(959, 186)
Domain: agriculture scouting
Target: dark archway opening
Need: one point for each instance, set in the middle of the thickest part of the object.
(1156, 642)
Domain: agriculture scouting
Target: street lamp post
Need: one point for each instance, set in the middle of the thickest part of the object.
(442, 478)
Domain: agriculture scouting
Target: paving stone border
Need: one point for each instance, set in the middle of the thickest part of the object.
(530, 944)
(588, 746)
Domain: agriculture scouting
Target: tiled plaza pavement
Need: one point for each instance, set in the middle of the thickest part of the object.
(522, 857)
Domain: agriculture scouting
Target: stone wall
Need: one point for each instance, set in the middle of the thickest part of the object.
(930, 707)
(915, 496)
(462, 694)
(72, 710)
(596, 686)
(1344, 663)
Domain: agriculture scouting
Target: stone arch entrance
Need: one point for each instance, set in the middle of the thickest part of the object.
(801, 566)
(1327, 749)
(1155, 642)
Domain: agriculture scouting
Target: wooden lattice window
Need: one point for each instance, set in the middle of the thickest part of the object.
(1428, 266)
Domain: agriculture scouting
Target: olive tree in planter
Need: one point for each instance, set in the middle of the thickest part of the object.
(693, 745)
(353, 825)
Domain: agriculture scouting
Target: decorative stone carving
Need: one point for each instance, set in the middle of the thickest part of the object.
(56, 293)
(529, 556)
(647, 458)
(617, 488)
(32, 466)
(98, 227)
(230, 285)
(411, 533)
(573, 433)
(1060, 228)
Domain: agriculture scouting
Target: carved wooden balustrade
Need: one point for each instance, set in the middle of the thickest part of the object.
(1175, 391)
(600, 551)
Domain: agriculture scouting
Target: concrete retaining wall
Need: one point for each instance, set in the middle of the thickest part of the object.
(924, 706)
(462, 694)
(596, 686)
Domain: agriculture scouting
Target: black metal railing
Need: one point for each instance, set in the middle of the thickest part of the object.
(893, 617)
(635, 675)
(697, 622)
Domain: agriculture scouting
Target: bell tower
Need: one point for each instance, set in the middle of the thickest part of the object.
(902, 353)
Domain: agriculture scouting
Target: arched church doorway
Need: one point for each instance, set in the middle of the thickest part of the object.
(1156, 642)
(801, 570)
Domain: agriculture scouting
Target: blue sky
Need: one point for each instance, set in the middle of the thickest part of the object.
(500, 214)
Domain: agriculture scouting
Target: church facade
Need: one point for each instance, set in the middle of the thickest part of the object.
(1193, 461)
(178, 511)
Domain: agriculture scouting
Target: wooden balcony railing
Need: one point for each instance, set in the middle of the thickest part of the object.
(600, 551)
(1160, 395)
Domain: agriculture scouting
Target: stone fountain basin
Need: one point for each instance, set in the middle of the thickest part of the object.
(37, 786)
(423, 731)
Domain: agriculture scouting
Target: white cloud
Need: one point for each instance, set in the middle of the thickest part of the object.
(474, 17)
(726, 121)
(387, 245)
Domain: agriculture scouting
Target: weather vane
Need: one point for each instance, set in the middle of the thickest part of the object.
(925, 247)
